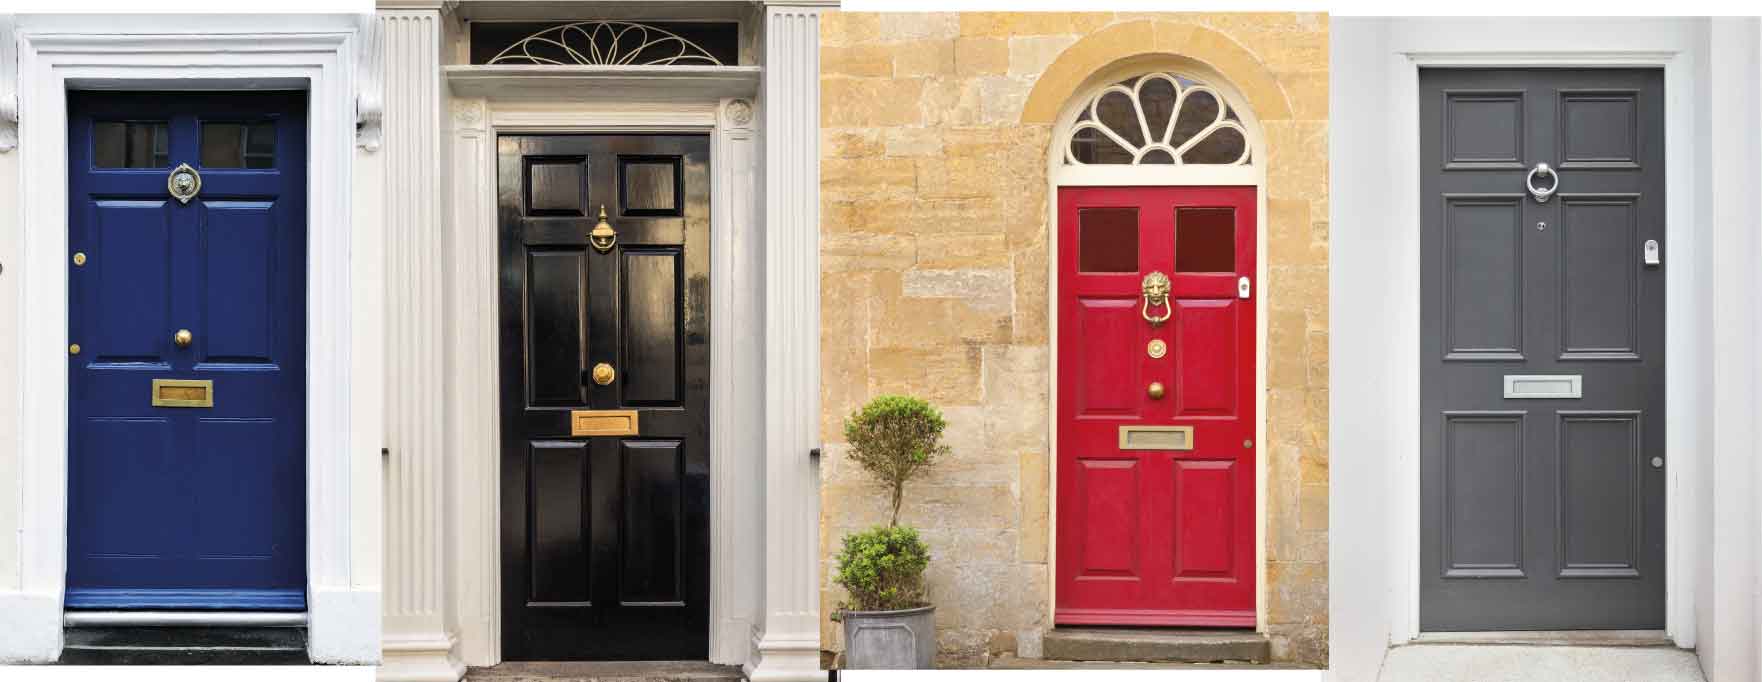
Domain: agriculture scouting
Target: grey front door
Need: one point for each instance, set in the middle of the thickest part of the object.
(1542, 349)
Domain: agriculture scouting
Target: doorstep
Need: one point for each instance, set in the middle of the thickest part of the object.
(1505, 662)
(605, 671)
(1156, 645)
(154, 645)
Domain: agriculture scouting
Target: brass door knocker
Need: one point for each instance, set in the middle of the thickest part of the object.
(183, 183)
(603, 236)
(1156, 293)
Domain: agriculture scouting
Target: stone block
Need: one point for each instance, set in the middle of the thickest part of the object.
(898, 26)
(850, 143)
(1009, 24)
(1030, 55)
(870, 179)
(946, 374)
(981, 56)
(948, 251)
(924, 57)
(909, 142)
(857, 102)
(860, 61)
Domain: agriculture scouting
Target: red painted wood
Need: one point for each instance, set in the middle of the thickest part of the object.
(1149, 537)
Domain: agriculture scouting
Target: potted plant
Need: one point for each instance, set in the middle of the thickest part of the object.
(888, 620)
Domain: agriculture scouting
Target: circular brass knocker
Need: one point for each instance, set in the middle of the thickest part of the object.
(183, 183)
(1156, 293)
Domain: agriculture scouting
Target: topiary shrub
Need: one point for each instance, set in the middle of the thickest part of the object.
(883, 569)
(895, 438)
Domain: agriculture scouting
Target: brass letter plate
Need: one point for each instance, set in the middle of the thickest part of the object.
(183, 393)
(602, 423)
(1156, 438)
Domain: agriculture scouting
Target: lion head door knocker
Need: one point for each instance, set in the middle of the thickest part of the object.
(603, 236)
(183, 183)
(1156, 294)
(1542, 194)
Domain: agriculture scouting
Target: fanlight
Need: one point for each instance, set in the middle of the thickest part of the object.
(605, 43)
(1157, 118)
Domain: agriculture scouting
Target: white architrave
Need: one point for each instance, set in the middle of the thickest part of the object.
(786, 640)
(1374, 286)
(1250, 171)
(417, 641)
(314, 52)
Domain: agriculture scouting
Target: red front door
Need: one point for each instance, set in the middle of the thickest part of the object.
(1156, 406)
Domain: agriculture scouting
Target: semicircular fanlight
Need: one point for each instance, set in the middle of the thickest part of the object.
(1157, 118)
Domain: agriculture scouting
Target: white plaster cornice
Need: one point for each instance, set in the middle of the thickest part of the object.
(369, 81)
(8, 84)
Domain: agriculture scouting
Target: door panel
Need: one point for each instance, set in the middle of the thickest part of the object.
(186, 507)
(1542, 513)
(1156, 494)
(605, 540)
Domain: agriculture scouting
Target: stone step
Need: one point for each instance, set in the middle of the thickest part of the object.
(184, 646)
(1156, 645)
(605, 671)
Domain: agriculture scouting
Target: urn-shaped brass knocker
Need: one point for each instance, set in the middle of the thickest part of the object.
(603, 236)
(1156, 294)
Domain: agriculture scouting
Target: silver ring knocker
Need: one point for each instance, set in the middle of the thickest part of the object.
(1156, 293)
(1540, 194)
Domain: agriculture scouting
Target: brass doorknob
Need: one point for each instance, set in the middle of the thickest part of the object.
(182, 338)
(1155, 390)
(604, 374)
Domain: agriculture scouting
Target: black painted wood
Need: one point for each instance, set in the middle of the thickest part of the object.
(605, 541)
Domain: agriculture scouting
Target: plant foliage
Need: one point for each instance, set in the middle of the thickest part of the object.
(895, 438)
(883, 569)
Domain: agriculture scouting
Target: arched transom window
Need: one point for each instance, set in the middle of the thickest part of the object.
(1157, 118)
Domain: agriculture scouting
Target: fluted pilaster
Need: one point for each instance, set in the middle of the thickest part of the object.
(418, 644)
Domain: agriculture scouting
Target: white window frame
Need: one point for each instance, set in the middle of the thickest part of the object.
(1250, 174)
(317, 53)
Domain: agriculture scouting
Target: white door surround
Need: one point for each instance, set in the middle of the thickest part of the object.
(1374, 293)
(764, 324)
(1253, 173)
(317, 53)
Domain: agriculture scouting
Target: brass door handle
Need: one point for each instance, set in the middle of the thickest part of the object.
(182, 338)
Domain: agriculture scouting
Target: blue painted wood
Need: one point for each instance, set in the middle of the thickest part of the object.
(187, 508)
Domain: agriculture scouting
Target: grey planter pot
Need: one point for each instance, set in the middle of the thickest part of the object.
(890, 640)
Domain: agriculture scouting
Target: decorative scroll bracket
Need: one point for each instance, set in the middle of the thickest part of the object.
(8, 84)
(369, 79)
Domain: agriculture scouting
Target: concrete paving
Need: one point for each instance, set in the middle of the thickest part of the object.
(1532, 663)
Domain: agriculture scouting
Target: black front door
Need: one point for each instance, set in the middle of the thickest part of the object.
(1542, 356)
(605, 396)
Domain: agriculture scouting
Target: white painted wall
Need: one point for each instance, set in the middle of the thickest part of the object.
(1712, 80)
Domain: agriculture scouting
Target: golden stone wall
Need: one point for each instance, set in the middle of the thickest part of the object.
(936, 131)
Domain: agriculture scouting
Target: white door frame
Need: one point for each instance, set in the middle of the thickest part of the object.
(736, 379)
(314, 53)
(1376, 359)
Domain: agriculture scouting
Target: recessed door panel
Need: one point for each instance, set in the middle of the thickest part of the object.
(1204, 543)
(1542, 460)
(605, 552)
(187, 391)
(1156, 418)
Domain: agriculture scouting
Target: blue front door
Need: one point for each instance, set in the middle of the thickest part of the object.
(187, 357)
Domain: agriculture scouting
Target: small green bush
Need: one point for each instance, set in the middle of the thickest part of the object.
(895, 438)
(883, 569)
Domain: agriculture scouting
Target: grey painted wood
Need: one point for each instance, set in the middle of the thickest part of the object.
(1541, 514)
